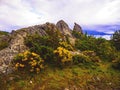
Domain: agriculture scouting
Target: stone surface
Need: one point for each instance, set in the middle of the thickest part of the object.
(16, 46)
(77, 28)
(64, 28)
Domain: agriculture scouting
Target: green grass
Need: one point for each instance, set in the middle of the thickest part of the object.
(3, 33)
(102, 77)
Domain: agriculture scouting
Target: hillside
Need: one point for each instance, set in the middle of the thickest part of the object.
(54, 57)
(16, 43)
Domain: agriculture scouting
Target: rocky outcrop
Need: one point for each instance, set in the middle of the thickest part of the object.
(16, 46)
(16, 43)
(77, 28)
(64, 28)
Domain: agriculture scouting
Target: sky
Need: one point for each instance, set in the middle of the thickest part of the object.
(97, 15)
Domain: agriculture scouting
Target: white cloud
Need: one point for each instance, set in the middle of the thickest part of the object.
(103, 36)
(110, 13)
(85, 12)
(16, 13)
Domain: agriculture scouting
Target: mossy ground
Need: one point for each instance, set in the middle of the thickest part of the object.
(100, 77)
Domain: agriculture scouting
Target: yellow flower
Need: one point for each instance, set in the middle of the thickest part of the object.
(34, 64)
(17, 65)
(15, 68)
(21, 65)
(30, 60)
(26, 52)
(20, 55)
(34, 60)
(25, 59)
(64, 54)
(34, 54)
(41, 66)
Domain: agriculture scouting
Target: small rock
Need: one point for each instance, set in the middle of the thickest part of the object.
(31, 82)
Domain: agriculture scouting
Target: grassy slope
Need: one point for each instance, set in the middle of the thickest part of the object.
(101, 77)
(3, 33)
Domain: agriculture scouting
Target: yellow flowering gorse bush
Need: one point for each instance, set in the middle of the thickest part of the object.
(66, 45)
(28, 61)
(63, 55)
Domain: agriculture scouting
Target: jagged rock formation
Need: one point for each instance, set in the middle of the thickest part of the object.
(16, 44)
(64, 28)
(77, 28)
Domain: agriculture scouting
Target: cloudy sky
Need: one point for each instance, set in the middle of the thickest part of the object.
(99, 15)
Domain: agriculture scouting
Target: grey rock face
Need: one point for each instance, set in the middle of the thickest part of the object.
(16, 46)
(64, 28)
(77, 28)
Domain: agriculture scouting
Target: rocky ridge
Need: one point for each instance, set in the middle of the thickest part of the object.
(16, 44)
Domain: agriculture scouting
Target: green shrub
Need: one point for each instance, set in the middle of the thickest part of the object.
(85, 43)
(36, 40)
(3, 45)
(45, 52)
(51, 39)
(28, 62)
(116, 62)
(4, 39)
(106, 51)
(92, 56)
(116, 39)
(76, 34)
(54, 37)
(86, 57)
(102, 47)
(41, 45)
(89, 53)
(80, 58)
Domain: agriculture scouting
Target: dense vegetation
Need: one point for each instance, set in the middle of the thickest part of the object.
(3, 33)
(116, 39)
(3, 41)
(52, 63)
